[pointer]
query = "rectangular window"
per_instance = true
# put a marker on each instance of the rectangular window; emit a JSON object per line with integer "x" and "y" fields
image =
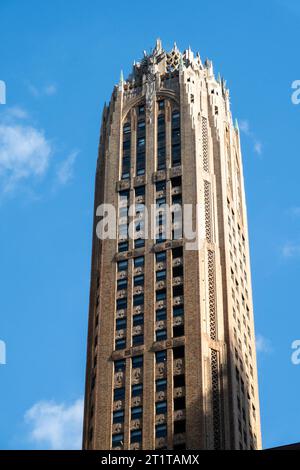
{"x": 161, "y": 335}
{"x": 176, "y": 155}
{"x": 121, "y": 304}
{"x": 141, "y": 127}
{"x": 138, "y": 300}
{"x": 136, "y": 412}
{"x": 139, "y": 261}
{"x": 117, "y": 440}
{"x": 160, "y": 256}
{"x": 120, "y": 365}
{"x": 126, "y": 128}
{"x": 120, "y": 343}
{"x": 136, "y": 436}
{"x": 178, "y": 353}
{"x": 161, "y": 430}
{"x": 124, "y": 194}
{"x": 160, "y": 201}
{"x": 137, "y": 390}
{"x": 140, "y": 191}
{"x": 119, "y": 393}
{"x": 178, "y": 311}
{"x": 122, "y": 246}
{"x": 176, "y": 182}
{"x": 161, "y": 314}
{"x": 118, "y": 416}
{"x": 122, "y": 284}
{"x": 161, "y": 407}
{"x": 160, "y": 186}
{"x": 139, "y": 242}
{"x": 121, "y": 323}
{"x": 179, "y": 380}
{"x": 137, "y": 339}
{"x": 161, "y": 275}
{"x": 177, "y": 199}
{"x": 177, "y": 252}
{"x": 160, "y": 356}
{"x": 179, "y": 427}
{"x": 138, "y": 320}
{"x": 161, "y": 295}
{"x": 177, "y": 291}
{"x": 141, "y": 142}
{"x": 178, "y": 331}
{"x": 137, "y": 362}
{"x": 123, "y": 265}
{"x": 179, "y": 403}
{"x": 177, "y": 271}
{"x": 139, "y": 280}
{"x": 161, "y": 385}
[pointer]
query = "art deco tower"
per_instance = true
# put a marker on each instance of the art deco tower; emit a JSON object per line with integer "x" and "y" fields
{"x": 171, "y": 361}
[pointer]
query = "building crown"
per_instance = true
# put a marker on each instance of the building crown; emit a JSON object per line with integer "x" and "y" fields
{"x": 158, "y": 60}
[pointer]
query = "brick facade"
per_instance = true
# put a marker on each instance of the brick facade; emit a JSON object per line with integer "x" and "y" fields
{"x": 168, "y": 130}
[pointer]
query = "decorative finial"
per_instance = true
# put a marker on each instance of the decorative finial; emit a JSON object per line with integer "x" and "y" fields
{"x": 121, "y": 82}
{"x": 158, "y": 45}
{"x": 181, "y": 63}
{"x": 236, "y": 125}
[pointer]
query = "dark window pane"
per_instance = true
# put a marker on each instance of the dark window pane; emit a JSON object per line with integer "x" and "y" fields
{"x": 179, "y": 380}
{"x": 119, "y": 393}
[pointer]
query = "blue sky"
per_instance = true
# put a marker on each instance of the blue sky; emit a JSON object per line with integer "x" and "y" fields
{"x": 60, "y": 63}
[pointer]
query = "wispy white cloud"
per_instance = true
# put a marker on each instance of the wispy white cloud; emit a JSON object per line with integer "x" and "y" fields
{"x": 55, "y": 426}
{"x": 27, "y": 154}
{"x": 263, "y": 345}
{"x": 258, "y": 147}
{"x": 24, "y": 152}
{"x": 15, "y": 112}
{"x": 65, "y": 170}
{"x": 46, "y": 90}
{"x": 245, "y": 128}
{"x": 291, "y": 250}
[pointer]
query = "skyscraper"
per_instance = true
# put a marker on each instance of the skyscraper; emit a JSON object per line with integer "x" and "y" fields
{"x": 171, "y": 360}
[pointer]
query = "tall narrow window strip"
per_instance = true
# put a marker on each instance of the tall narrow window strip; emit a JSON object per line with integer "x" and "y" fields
{"x": 141, "y": 147}
{"x": 126, "y": 150}
{"x": 161, "y": 142}
{"x": 176, "y": 141}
